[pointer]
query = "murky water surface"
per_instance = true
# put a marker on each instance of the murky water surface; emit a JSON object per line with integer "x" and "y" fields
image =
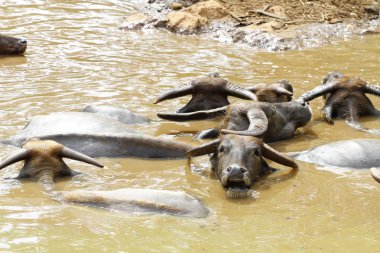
{"x": 76, "y": 55}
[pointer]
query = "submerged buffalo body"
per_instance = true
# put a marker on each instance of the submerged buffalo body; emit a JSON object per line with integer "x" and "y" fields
{"x": 357, "y": 154}
{"x": 138, "y": 201}
{"x": 120, "y": 114}
{"x": 98, "y": 136}
{"x": 10, "y": 45}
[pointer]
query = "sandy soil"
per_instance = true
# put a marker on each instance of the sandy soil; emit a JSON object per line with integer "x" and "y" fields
{"x": 270, "y": 25}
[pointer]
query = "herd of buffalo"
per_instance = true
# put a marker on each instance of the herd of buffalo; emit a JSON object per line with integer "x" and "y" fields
{"x": 237, "y": 152}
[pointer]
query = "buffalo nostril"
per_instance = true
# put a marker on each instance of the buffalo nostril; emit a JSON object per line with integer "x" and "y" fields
{"x": 229, "y": 169}
{"x": 22, "y": 41}
{"x": 243, "y": 170}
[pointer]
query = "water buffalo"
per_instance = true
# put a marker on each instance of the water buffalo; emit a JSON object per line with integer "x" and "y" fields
{"x": 281, "y": 91}
{"x": 138, "y": 201}
{"x": 358, "y": 153}
{"x": 271, "y": 121}
{"x": 345, "y": 98}
{"x": 10, "y": 45}
{"x": 43, "y": 161}
{"x": 120, "y": 114}
{"x": 237, "y": 161}
{"x": 98, "y": 136}
{"x": 207, "y": 93}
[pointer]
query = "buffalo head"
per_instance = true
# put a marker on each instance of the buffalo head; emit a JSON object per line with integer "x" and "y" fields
{"x": 281, "y": 91}
{"x": 10, "y": 45}
{"x": 207, "y": 93}
{"x": 43, "y": 161}
{"x": 237, "y": 161}
{"x": 345, "y": 98}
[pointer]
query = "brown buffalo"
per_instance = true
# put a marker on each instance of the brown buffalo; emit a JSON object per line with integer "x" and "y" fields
{"x": 345, "y": 98}
{"x": 207, "y": 93}
{"x": 43, "y": 161}
{"x": 237, "y": 161}
{"x": 10, "y": 45}
{"x": 281, "y": 91}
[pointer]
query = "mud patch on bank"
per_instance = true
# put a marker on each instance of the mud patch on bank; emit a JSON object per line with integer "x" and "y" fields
{"x": 266, "y": 25}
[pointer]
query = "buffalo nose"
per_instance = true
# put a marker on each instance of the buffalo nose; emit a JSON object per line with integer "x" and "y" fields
{"x": 22, "y": 41}
{"x": 236, "y": 171}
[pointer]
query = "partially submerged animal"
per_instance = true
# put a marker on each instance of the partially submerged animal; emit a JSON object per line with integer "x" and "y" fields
{"x": 98, "y": 136}
{"x": 207, "y": 93}
{"x": 120, "y": 114}
{"x": 357, "y": 154}
{"x": 271, "y": 121}
{"x": 237, "y": 161}
{"x": 43, "y": 161}
{"x": 345, "y": 98}
{"x": 11, "y": 45}
{"x": 138, "y": 201}
{"x": 281, "y": 91}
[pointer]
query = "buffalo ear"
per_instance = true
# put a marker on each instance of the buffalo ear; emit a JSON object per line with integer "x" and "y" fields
{"x": 277, "y": 157}
{"x": 207, "y": 148}
{"x": 18, "y": 156}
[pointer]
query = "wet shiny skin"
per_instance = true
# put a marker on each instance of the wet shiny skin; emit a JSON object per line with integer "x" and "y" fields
{"x": 76, "y": 56}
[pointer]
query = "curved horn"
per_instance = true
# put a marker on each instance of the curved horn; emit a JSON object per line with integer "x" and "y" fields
{"x": 207, "y": 148}
{"x": 278, "y": 157}
{"x": 72, "y": 154}
{"x": 283, "y": 91}
{"x": 183, "y": 90}
{"x": 234, "y": 90}
{"x": 198, "y": 115}
{"x": 18, "y": 156}
{"x": 258, "y": 124}
{"x": 375, "y": 172}
{"x": 318, "y": 91}
{"x": 372, "y": 89}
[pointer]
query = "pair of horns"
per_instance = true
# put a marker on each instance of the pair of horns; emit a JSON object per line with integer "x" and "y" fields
{"x": 24, "y": 154}
{"x": 225, "y": 88}
{"x": 330, "y": 84}
{"x": 278, "y": 90}
{"x": 267, "y": 152}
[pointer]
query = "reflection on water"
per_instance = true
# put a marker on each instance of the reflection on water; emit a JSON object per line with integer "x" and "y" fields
{"x": 76, "y": 55}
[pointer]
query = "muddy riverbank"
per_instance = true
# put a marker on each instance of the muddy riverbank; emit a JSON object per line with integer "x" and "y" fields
{"x": 260, "y": 24}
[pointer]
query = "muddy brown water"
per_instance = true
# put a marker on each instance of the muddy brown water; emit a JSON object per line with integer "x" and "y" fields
{"x": 76, "y": 56}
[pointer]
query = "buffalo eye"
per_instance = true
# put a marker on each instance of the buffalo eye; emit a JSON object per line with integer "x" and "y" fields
{"x": 257, "y": 152}
{"x": 222, "y": 149}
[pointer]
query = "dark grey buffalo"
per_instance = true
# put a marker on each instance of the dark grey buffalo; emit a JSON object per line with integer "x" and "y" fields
{"x": 359, "y": 153}
{"x": 43, "y": 161}
{"x": 345, "y": 98}
{"x": 271, "y": 121}
{"x": 120, "y": 114}
{"x": 98, "y": 136}
{"x": 138, "y": 201}
{"x": 11, "y": 46}
{"x": 237, "y": 161}
{"x": 207, "y": 93}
